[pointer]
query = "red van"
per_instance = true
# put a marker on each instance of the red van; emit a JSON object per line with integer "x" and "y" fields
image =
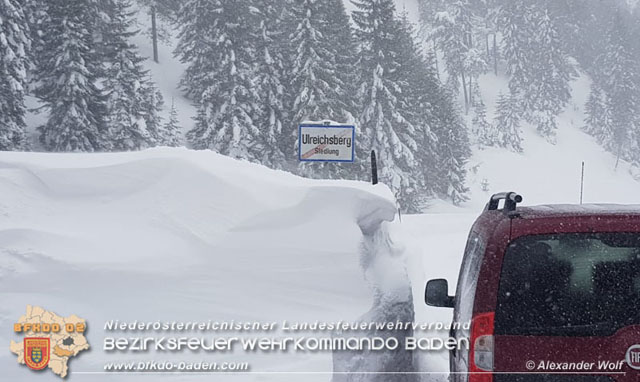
{"x": 552, "y": 293}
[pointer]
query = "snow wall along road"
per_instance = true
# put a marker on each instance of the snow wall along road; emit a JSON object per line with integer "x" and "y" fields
{"x": 179, "y": 235}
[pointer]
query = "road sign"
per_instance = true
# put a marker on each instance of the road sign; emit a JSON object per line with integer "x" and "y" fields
{"x": 326, "y": 143}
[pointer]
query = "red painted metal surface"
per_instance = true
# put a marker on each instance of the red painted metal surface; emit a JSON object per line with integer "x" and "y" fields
{"x": 601, "y": 355}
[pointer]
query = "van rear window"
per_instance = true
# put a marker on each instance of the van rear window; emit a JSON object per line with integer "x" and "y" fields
{"x": 574, "y": 284}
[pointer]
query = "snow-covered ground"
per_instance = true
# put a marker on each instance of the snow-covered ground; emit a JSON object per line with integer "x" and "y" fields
{"x": 173, "y": 234}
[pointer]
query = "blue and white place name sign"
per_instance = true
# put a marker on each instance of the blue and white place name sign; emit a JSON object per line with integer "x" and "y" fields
{"x": 326, "y": 143}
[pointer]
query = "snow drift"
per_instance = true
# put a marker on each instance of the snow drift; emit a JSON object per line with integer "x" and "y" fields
{"x": 174, "y": 234}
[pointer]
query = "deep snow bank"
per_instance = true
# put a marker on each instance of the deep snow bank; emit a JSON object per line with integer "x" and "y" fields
{"x": 174, "y": 234}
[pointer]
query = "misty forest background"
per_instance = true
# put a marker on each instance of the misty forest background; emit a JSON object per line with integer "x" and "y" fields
{"x": 255, "y": 69}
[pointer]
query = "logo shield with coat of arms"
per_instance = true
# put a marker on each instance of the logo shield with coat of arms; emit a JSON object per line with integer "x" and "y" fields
{"x": 36, "y": 352}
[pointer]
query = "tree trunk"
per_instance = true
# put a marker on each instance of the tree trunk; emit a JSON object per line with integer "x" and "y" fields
{"x": 435, "y": 56}
{"x": 470, "y": 92}
{"x": 466, "y": 97}
{"x": 488, "y": 48}
{"x": 154, "y": 34}
{"x": 495, "y": 54}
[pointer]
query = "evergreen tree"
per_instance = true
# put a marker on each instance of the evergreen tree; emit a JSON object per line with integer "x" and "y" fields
{"x": 418, "y": 83}
{"x": 598, "y": 119}
{"x": 340, "y": 40}
{"x": 441, "y": 133}
{"x": 14, "y": 48}
{"x": 453, "y": 148}
{"x": 451, "y": 32}
{"x": 319, "y": 92}
{"x": 166, "y": 10}
{"x": 550, "y": 91}
{"x": 540, "y": 69}
{"x": 321, "y": 72}
{"x": 518, "y": 30}
{"x": 67, "y": 80}
{"x": 132, "y": 99}
{"x": 36, "y": 14}
{"x": 152, "y": 104}
{"x": 270, "y": 71}
{"x": 171, "y": 129}
{"x": 621, "y": 87}
{"x": 229, "y": 100}
{"x": 455, "y": 169}
{"x": 429, "y": 10}
{"x": 545, "y": 122}
{"x": 386, "y": 115}
{"x": 483, "y": 130}
{"x": 454, "y": 34}
{"x": 196, "y": 48}
{"x": 507, "y": 123}
{"x": 475, "y": 65}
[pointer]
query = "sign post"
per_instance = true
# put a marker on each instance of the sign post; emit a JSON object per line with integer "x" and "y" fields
{"x": 326, "y": 143}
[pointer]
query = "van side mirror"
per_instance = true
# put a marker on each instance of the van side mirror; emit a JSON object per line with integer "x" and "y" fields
{"x": 437, "y": 294}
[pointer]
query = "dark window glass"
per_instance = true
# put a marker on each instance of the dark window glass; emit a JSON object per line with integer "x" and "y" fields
{"x": 570, "y": 284}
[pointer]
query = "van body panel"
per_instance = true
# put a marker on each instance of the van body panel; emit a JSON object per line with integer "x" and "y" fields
{"x": 601, "y": 356}
{"x": 568, "y": 355}
{"x": 496, "y": 230}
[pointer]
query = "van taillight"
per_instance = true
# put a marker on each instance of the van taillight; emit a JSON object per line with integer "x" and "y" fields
{"x": 481, "y": 353}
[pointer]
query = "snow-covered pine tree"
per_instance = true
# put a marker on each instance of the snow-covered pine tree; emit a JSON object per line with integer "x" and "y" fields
{"x": 229, "y": 99}
{"x": 418, "y": 83}
{"x": 386, "y": 117}
{"x": 36, "y": 15}
{"x": 15, "y": 45}
{"x": 546, "y": 124}
{"x": 269, "y": 42}
{"x": 165, "y": 10}
{"x": 152, "y": 104}
{"x": 453, "y": 149}
{"x": 171, "y": 129}
{"x": 318, "y": 92}
{"x": 320, "y": 79}
{"x": 539, "y": 67}
{"x": 67, "y": 80}
{"x": 132, "y": 98}
{"x": 507, "y": 123}
{"x": 198, "y": 20}
{"x": 486, "y": 28}
{"x": 440, "y": 133}
{"x": 474, "y": 65}
{"x": 550, "y": 91}
{"x": 339, "y": 34}
{"x": 452, "y": 34}
{"x": 621, "y": 87}
{"x": 340, "y": 40}
{"x": 598, "y": 119}
{"x": 517, "y": 26}
{"x": 482, "y": 129}
{"x": 427, "y": 11}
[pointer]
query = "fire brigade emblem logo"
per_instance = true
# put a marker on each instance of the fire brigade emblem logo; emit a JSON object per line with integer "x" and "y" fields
{"x": 36, "y": 352}
{"x": 633, "y": 357}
